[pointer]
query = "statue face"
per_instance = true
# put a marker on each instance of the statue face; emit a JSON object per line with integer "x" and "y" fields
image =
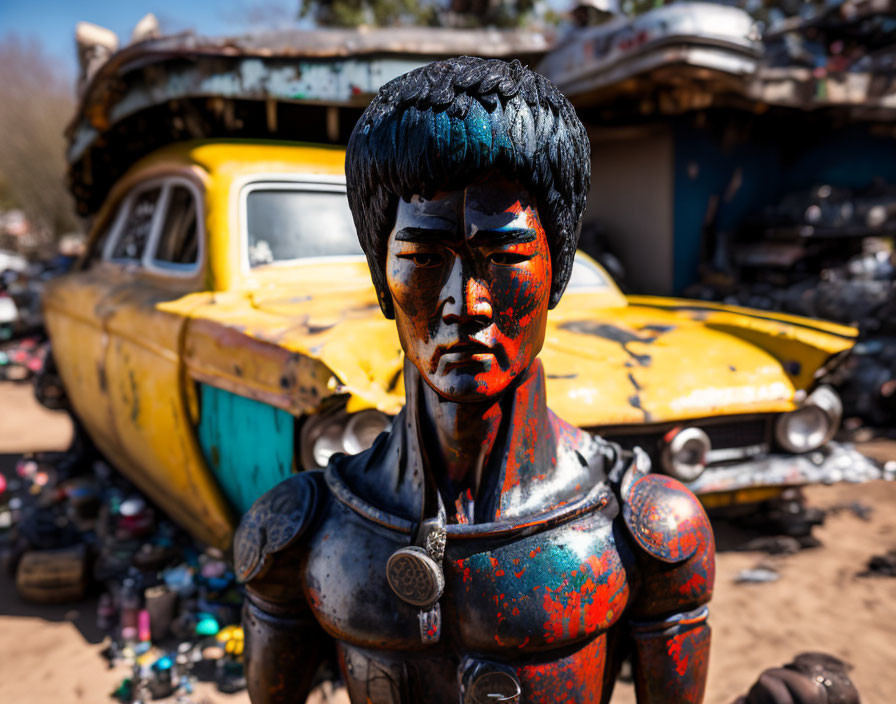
{"x": 470, "y": 276}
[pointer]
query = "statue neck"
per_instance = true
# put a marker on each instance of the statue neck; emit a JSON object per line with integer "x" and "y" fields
{"x": 463, "y": 437}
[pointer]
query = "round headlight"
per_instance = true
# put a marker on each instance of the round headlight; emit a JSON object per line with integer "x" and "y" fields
{"x": 362, "y": 429}
{"x": 825, "y": 398}
{"x": 684, "y": 456}
{"x": 324, "y": 435}
{"x": 803, "y": 430}
{"x": 327, "y": 443}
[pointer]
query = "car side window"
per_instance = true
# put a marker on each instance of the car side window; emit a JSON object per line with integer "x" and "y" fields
{"x": 97, "y": 247}
{"x": 137, "y": 226}
{"x": 178, "y": 245}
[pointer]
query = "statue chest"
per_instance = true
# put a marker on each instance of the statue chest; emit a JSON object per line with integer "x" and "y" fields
{"x": 504, "y": 596}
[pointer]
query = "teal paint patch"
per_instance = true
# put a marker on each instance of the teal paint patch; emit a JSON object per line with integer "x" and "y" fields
{"x": 248, "y": 444}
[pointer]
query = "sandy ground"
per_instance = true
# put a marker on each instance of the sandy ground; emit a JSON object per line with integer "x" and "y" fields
{"x": 51, "y": 655}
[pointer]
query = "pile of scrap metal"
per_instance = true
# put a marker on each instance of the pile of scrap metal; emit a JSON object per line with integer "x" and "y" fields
{"x": 691, "y": 56}
{"x": 669, "y": 60}
{"x": 844, "y": 55}
{"x": 70, "y": 527}
{"x": 826, "y": 253}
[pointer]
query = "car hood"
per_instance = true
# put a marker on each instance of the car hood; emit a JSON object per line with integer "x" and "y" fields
{"x": 657, "y": 360}
{"x": 650, "y": 361}
{"x": 299, "y": 335}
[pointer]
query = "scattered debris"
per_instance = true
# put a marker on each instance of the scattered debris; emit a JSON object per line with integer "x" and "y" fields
{"x": 824, "y": 253}
{"x": 856, "y": 508}
{"x": 170, "y": 609}
{"x": 890, "y": 469}
{"x": 773, "y": 545}
{"x": 881, "y": 565}
{"x": 775, "y": 520}
{"x": 757, "y": 575}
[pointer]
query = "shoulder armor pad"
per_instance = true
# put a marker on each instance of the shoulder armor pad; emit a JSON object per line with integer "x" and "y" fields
{"x": 664, "y": 517}
{"x": 275, "y": 521}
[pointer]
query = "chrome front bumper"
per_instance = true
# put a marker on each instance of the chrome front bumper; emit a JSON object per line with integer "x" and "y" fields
{"x": 835, "y": 462}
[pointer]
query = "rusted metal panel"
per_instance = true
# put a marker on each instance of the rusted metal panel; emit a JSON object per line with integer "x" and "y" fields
{"x": 836, "y": 462}
{"x": 691, "y": 56}
{"x": 186, "y": 86}
{"x": 700, "y": 40}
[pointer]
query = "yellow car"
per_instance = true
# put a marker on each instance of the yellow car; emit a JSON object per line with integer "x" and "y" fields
{"x": 221, "y": 332}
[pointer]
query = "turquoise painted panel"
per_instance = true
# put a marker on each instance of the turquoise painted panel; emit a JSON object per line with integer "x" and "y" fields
{"x": 248, "y": 444}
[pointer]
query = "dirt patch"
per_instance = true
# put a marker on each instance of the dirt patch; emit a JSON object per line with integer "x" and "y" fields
{"x": 26, "y": 426}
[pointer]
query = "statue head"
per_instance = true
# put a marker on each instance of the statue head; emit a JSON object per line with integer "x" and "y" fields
{"x": 467, "y": 181}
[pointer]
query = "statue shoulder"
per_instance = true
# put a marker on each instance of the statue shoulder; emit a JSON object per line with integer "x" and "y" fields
{"x": 275, "y": 521}
{"x": 665, "y": 519}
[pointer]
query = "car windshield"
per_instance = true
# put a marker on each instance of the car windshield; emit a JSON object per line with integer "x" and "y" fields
{"x": 585, "y": 276}
{"x": 284, "y": 224}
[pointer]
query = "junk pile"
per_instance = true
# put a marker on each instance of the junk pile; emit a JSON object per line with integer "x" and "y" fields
{"x": 170, "y": 610}
{"x": 852, "y": 36}
{"x": 824, "y": 253}
{"x": 22, "y": 359}
{"x": 686, "y": 56}
{"x": 23, "y": 341}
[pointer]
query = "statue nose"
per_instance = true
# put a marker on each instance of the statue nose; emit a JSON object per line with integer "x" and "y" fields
{"x": 465, "y": 295}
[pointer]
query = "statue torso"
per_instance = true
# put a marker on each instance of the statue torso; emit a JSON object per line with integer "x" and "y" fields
{"x": 539, "y": 595}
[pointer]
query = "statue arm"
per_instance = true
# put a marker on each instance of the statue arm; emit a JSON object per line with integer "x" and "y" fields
{"x": 284, "y": 643}
{"x": 670, "y": 660}
{"x": 283, "y": 651}
{"x": 668, "y": 618}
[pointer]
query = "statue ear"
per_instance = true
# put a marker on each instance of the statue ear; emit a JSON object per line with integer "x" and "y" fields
{"x": 557, "y": 288}
{"x": 386, "y": 304}
{"x": 384, "y": 296}
{"x": 555, "y": 299}
{"x": 378, "y": 276}
{"x": 561, "y": 265}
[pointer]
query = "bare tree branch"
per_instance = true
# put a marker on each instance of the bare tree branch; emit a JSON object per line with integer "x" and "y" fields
{"x": 36, "y": 104}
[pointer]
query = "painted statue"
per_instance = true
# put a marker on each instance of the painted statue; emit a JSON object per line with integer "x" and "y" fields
{"x": 483, "y": 550}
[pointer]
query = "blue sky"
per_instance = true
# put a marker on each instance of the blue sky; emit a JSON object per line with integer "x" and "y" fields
{"x": 52, "y": 22}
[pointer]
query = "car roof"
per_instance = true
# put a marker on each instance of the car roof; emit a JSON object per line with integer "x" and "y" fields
{"x": 238, "y": 157}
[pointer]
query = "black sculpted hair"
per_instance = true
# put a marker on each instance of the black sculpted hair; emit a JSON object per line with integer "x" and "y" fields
{"x": 443, "y": 125}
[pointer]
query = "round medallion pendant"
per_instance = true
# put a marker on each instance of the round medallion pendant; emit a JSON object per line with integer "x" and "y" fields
{"x": 415, "y": 577}
{"x": 488, "y": 683}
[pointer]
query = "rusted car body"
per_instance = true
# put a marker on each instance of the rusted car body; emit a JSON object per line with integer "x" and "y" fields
{"x": 222, "y": 332}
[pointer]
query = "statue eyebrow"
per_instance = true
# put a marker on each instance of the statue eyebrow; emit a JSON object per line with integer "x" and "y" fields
{"x": 483, "y": 238}
{"x": 502, "y": 236}
{"x": 422, "y": 235}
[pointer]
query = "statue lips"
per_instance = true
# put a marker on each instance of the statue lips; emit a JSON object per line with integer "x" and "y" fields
{"x": 468, "y": 352}
{"x": 464, "y": 353}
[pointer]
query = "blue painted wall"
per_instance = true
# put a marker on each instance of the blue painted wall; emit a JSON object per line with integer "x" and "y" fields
{"x": 248, "y": 444}
{"x": 777, "y": 157}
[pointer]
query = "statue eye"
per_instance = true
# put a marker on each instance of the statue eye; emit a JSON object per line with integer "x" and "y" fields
{"x": 507, "y": 258}
{"x": 424, "y": 260}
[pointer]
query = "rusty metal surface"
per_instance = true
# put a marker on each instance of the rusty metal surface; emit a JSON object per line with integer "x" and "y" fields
{"x": 694, "y": 37}
{"x": 836, "y": 462}
{"x": 185, "y": 86}
{"x": 690, "y": 56}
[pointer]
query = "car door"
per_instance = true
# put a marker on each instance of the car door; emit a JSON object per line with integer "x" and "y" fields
{"x": 145, "y": 321}
{"x": 75, "y": 316}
